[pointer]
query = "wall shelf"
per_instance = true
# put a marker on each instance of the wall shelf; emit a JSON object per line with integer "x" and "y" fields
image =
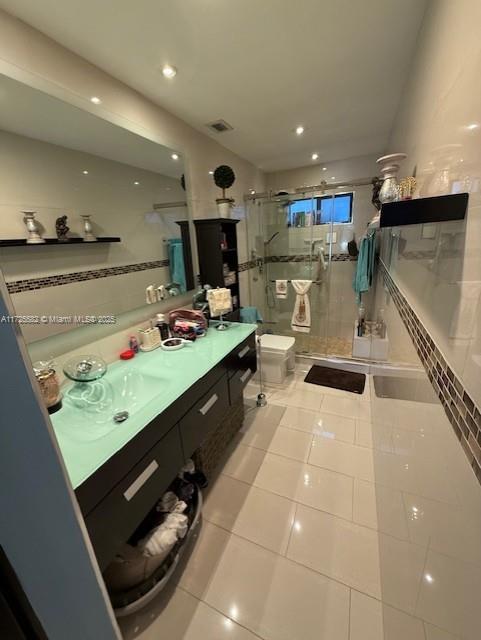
{"x": 424, "y": 210}
{"x": 22, "y": 242}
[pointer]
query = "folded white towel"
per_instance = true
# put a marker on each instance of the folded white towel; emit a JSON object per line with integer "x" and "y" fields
{"x": 158, "y": 541}
{"x": 281, "y": 289}
{"x": 301, "y": 316}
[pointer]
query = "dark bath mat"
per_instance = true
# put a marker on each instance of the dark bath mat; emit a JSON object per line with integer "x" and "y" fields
{"x": 336, "y": 379}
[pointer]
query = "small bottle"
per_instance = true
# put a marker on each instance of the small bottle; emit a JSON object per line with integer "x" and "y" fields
{"x": 381, "y": 324}
{"x": 134, "y": 344}
{"x": 162, "y": 326}
{"x": 361, "y": 312}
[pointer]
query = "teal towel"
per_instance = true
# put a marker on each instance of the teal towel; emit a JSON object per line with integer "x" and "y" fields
{"x": 176, "y": 262}
{"x": 250, "y": 315}
{"x": 365, "y": 266}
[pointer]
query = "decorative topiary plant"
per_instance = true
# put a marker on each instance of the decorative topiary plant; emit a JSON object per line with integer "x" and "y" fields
{"x": 224, "y": 178}
{"x": 182, "y": 181}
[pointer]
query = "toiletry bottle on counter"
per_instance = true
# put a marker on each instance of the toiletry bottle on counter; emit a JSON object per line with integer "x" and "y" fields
{"x": 134, "y": 344}
{"x": 162, "y": 326}
{"x": 361, "y": 313}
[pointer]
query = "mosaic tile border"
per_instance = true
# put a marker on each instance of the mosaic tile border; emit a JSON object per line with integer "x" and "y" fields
{"x": 31, "y": 284}
{"x": 461, "y": 410}
{"x": 301, "y": 257}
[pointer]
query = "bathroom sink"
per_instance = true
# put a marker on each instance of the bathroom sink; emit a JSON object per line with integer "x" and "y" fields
{"x": 92, "y": 410}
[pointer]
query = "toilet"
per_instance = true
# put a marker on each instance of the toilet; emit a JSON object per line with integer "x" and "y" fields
{"x": 278, "y": 356}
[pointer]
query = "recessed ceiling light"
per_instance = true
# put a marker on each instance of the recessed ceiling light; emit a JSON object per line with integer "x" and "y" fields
{"x": 324, "y": 168}
{"x": 315, "y": 156}
{"x": 168, "y": 71}
{"x": 211, "y": 173}
{"x": 333, "y": 177}
{"x": 174, "y": 156}
{"x": 136, "y": 182}
{"x": 85, "y": 172}
{"x": 300, "y": 130}
{"x": 252, "y": 192}
{"x": 472, "y": 126}
{"x": 429, "y": 578}
{"x": 95, "y": 100}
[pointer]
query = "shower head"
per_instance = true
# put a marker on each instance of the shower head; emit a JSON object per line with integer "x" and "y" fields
{"x": 267, "y": 242}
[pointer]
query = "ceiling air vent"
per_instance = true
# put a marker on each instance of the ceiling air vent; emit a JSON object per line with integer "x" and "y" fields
{"x": 219, "y": 126}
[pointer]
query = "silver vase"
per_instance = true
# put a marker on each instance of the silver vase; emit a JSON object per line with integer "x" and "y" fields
{"x": 88, "y": 234}
{"x": 33, "y": 236}
{"x": 389, "y": 167}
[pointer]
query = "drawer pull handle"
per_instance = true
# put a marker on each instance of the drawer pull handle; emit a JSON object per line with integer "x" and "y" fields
{"x": 209, "y": 404}
{"x": 141, "y": 480}
{"x": 244, "y": 351}
{"x": 245, "y": 375}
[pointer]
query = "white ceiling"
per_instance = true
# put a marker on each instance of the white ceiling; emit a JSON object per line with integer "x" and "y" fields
{"x": 264, "y": 66}
{"x": 34, "y": 114}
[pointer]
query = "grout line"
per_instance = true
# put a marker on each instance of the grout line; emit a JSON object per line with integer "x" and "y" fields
{"x": 307, "y": 568}
{"x": 422, "y": 576}
{"x": 292, "y": 528}
{"x": 349, "y": 615}
{"x": 220, "y": 612}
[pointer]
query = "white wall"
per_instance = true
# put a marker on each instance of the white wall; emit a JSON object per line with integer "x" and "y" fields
{"x": 336, "y": 171}
{"x": 440, "y": 102}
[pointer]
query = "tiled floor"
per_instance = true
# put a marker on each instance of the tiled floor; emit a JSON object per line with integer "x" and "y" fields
{"x": 334, "y": 517}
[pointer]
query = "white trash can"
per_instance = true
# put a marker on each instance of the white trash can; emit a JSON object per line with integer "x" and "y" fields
{"x": 278, "y": 357}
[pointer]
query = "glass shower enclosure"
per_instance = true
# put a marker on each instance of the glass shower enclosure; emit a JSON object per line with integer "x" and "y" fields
{"x": 305, "y": 236}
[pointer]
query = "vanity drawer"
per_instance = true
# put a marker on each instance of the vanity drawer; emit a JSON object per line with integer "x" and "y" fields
{"x": 204, "y": 416}
{"x": 243, "y": 357}
{"x": 114, "y": 519}
{"x": 238, "y": 381}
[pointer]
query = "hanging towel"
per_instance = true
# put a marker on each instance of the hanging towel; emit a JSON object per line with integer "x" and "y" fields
{"x": 176, "y": 262}
{"x": 281, "y": 289}
{"x": 250, "y": 315}
{"x": 365, "y": 266}
{"x": 301, "y": 317}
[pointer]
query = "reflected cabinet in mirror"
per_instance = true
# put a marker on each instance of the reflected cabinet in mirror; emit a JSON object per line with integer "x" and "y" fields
{"x": 93, "y": 218}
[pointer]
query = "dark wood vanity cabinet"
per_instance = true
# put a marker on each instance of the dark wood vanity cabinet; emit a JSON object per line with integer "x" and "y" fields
{"x": 118, "y": 496}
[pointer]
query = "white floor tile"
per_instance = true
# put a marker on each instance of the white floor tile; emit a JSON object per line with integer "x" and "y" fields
{"x": 378, "y": 565}
{"x": 259, "y": 434}
{"x": 343, "y": 458}
{"x": 303, "y": 398}
{"x": 260, "y": 516}
{"x": 291, "y": 444}
{"x": 183, "y": 617}
{"x": 328, "y": 425}
{"x": 243, "y": 463}
{"x": 271, "y": 596}
{"x": 271, "y": 413}
{"x": 371, "y": 620}
{"x": 307, "y": 484}
{"x": 449, "y": 529}
{"x": 374, "y": 436}
{"x": 414, "y": 476}
{"x": 379, "y": 508}
{"x": 347, "y": 406}
{"x": 450, "y": 595}
{"x": 434, "y": 633}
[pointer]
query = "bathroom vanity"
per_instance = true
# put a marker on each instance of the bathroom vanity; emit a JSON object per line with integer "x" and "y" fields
{"x": 120, "y": 470}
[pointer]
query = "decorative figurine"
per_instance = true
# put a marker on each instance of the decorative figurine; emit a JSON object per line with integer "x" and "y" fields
{"x": 61, "y": 228}
{"x": 88, "y": 235}
{"x": 34, "y": 236}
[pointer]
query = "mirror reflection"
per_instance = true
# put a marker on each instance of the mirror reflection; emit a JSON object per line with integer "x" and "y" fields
{"x": 94, "y": 219}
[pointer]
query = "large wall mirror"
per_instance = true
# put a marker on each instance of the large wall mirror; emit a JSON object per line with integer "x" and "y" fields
{"x": 57, "y": 160}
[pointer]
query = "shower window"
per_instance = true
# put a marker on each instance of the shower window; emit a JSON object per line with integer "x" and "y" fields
{"x": 328, "y": 209}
